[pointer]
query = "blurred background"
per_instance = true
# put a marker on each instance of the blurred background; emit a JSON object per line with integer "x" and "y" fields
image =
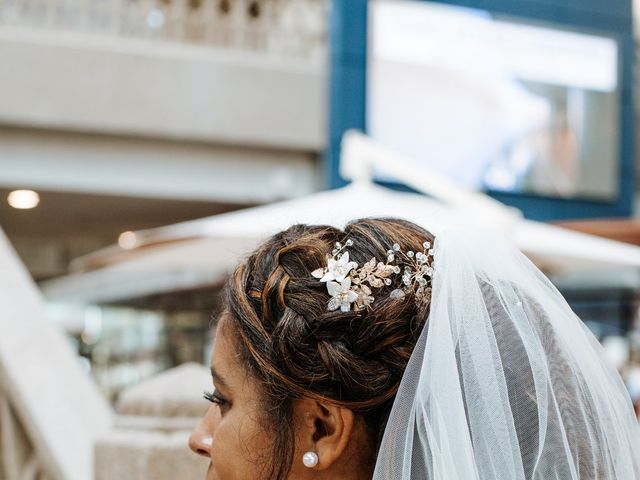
{"x": 121, "y": 116}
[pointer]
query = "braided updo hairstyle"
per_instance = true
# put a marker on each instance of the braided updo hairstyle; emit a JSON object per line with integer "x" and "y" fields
{"x": 294, "y": 347}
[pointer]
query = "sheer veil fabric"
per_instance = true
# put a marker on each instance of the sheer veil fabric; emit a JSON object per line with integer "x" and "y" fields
{"x": 505, "y": 381}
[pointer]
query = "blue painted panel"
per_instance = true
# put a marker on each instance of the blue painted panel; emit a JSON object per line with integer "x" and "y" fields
{"x": 348, "y": 29}
{"x": 466, "y": 3}
{"x": 347, "y": 110}
{"x": 347, "y": 100}
{"x": 628, "y": 155}
{"x": 627, "y": 47}
{"x": 539, "y": 11}
{"x": 543, "y": 209}
{"x": 598, "y": 21}
{"x": 615, "y": 8}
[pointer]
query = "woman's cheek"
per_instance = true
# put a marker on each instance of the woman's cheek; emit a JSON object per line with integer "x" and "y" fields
{"x": 231, "y": 446}
{"x": 243, "y": 448}
{"x": 224, "y": 453}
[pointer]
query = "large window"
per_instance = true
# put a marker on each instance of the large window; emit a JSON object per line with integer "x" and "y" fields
{"x": 493, "y": 103}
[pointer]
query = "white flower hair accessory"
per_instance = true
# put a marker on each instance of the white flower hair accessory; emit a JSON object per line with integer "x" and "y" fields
{"x": 347, "y": 284}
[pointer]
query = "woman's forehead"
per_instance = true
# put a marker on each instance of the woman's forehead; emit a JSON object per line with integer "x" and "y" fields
{"x": 226, "y": 367}
{"x": 220, "y": 357}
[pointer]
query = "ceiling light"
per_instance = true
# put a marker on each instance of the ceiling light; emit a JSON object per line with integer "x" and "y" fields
{"x": 23, "y": 199}
{"x": 127, "y": 240}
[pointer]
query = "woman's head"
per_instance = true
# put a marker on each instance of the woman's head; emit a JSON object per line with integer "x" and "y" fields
{"x": 307, "y": 378}
{"x": 504, "y": 351}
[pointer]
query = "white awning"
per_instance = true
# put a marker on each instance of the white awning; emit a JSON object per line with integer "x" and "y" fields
{"x": 201, "y": 253}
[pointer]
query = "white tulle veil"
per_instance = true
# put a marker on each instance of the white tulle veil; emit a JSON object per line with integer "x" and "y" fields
{"x": 505, "y": 381}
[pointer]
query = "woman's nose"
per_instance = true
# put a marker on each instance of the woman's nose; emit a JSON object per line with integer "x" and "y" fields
{"x": 200, "y": 440}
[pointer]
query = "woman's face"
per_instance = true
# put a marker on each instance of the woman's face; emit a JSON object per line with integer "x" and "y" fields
{"x": 231, "y": 433}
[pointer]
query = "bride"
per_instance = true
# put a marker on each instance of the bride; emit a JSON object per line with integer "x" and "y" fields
{"x": 379, "y": 351}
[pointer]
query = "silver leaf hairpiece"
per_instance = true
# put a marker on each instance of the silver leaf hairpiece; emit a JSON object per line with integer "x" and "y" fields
{"x": 348, "y": 284}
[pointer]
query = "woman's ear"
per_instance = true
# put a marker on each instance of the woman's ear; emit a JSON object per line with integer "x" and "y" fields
{"x": 324, "y": 429}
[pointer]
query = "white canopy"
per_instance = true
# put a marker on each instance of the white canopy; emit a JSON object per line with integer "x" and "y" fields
{"x": 201, "y": 252}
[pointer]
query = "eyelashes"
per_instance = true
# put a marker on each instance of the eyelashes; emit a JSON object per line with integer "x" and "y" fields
{"x": 215, "y": 398}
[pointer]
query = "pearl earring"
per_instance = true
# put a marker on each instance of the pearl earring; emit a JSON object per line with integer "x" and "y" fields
{"x": 310, "y": 459}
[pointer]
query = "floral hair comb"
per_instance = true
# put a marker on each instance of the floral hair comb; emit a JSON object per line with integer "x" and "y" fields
{"x": 348, "y": 284}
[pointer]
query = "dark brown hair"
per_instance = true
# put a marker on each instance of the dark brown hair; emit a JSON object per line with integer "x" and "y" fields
{"x": 294, "y": 347}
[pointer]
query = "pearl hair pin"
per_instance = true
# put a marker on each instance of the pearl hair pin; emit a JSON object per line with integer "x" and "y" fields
{"x": 310, "y": 459}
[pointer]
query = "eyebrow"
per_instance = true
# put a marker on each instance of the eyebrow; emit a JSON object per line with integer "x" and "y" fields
{"x": 218, "y": 379}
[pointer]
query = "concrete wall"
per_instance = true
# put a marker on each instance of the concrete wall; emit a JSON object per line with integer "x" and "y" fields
{"x": 77, "y": 81}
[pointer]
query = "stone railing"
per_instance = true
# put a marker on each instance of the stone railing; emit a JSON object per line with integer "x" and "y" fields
{"x": 18, "y": 459}
{"x": 280, "y": 27}
{"x": 54, "y": 425}
{"x": 50, "y": 413}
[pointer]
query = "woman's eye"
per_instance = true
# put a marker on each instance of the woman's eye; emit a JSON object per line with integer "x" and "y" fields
{"x": 217, "y": 399}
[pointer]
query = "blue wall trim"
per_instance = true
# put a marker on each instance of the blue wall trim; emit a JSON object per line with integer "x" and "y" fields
{"x": 348, "y": 38}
